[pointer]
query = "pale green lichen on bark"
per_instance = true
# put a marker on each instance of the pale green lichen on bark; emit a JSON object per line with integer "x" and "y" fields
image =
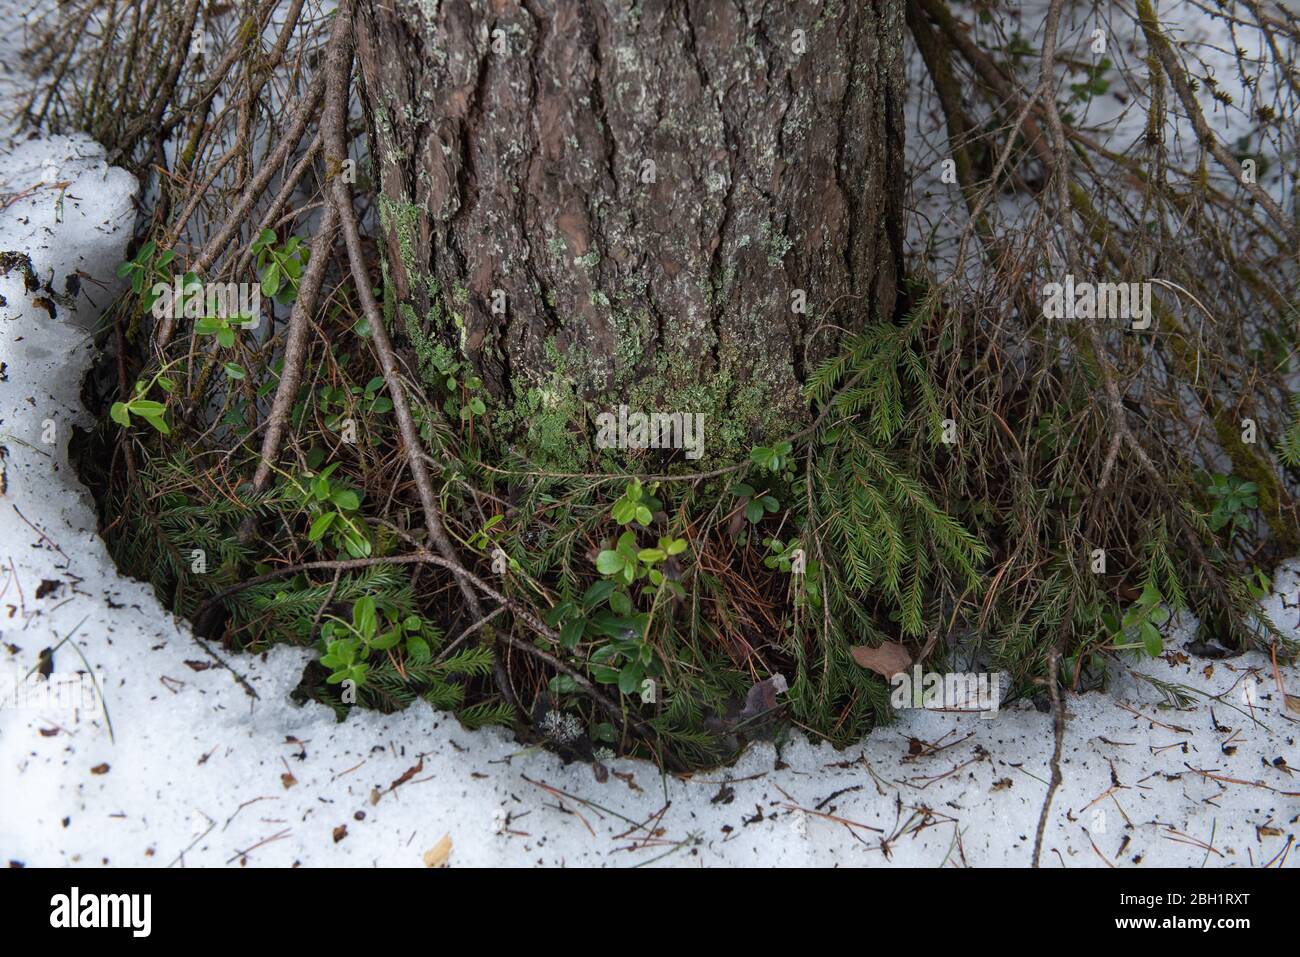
{"x": 552, "y": 421}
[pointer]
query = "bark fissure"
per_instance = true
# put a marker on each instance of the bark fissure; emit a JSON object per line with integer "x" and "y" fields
{"x": 541, "y": 287}
{"x": 649, "y": 184}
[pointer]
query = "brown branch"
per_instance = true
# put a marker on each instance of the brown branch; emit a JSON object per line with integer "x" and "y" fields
{"x": 337, "y": 77}
{"x": 1059, "y": 172}
{"x": 238, "y": 213}
{"x": 1178, "y": 77}
{"x": 1058, "y": 733}
{"x": 304, "y": 304}
{"x": 287, "y": 186}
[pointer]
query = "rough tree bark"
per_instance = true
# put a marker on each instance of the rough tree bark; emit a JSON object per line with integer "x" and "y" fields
{"x": 650, "y": 189}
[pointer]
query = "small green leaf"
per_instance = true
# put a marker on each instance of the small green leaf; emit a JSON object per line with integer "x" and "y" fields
{"x": 558, "y": 613}
{"x": 346, "y": 499}
{"x": 321, "y": 526}
{"x": 571, "y": 633}
{"x": 157, "y": 422}
{"x": 629, "y": 680}
{"x": 604, "y": 674}
{"x": 1151, "y": 639}
{"x": 563, "y": 684}
{"x": 608, "y": 562}
{"x": 364, "y": 615}
{"x": 596, "y": 594}
{"x": 620, "y": 603}
{"x": 271, "y": 280}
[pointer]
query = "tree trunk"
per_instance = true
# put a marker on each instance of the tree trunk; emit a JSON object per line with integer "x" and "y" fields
{"x": 677, "y": 205}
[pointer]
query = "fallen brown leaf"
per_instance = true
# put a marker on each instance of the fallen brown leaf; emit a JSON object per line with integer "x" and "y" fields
{"x": 761, "y": 698}
{"x": 629, "y": 780}
{"x": 886, "y": 660}
{"x": 99, "y": 769}
{"x": 440, "y": 854}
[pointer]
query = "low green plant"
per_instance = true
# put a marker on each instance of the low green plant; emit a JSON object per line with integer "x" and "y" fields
{"x": 773, "y": 458}
{"x": 333, "y": 508}
{"x": 147, "y": 269}
{"x": 142, "y": 407}
{"x": 635, "y": 505}
{"x": 349, "y": 644}
{"x": 758, "y": 505}
{"x": 1139, "y": 627}
{"x": 280, "y": 266}
{"x": 1233, "y": 498}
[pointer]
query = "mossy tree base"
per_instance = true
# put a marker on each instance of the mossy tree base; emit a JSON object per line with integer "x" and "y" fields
{"x": 675, "y": 206}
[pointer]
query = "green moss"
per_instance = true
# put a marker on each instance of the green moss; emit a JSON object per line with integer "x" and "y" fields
{"x": 551, "y": 413}
{"x": 551, "y": 421}
{"x": 424, "y": 333}
{"x": 740, "y": 408}
{"x": 546, "y": 420}
{"x": 401, "y": 220}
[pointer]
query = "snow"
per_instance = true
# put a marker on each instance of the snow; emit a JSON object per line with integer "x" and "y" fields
{"x": 198, "y": 771}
